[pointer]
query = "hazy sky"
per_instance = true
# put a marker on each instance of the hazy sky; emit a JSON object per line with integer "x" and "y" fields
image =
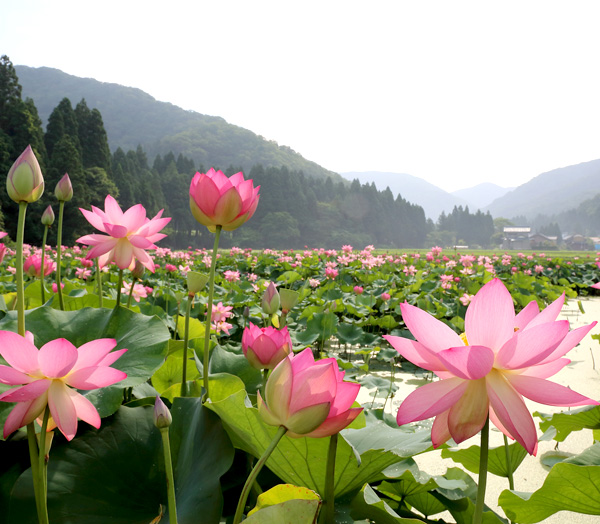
{"x": 455, "y": 92}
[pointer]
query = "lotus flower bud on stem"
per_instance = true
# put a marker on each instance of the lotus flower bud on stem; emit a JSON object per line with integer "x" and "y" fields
{"x": 25, "y": 182}
{"x": 64, "y": 189}
{"x": 162, "y": 415}
{"x": 48, "y": 216}
{"x": 270, "y": 300}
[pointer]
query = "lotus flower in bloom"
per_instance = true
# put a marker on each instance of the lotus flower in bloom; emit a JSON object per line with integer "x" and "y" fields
{"x": 33, "y": 266}
{"x": 216, "y": 200}
{"x": 308, "y": 398}
{"x": 500, "y": 359}
{"x": 265, "y": 347}
{"x": 128, "y": 234}
{"x": 47, "y": 376}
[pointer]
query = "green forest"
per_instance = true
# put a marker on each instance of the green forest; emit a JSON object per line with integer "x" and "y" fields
{"x": 295, "y": 209}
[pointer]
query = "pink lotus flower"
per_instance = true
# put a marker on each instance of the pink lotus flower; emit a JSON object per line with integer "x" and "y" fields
{"x": 232, "y": 276}
{"x": 220, "y": 313}
{"x": 265, "y": 347}
{"x": 139, "y": 291}
{"x": 385, "y": 296}
{"x": 33, "y": 266}
{"x": 55, "y": 287}
{"x": 128, "y": 234}
{"x": 500, "y": 359}
{"x": 82, "y": 273}
{"x": 216, "y": 200}
{"x": 47, "y": 376}
{"x": 358, "y": 290}
{"x": 308, "y": 398}
{"x": 2, "y": 252}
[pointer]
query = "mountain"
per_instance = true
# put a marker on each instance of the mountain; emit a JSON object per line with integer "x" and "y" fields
{"x": 551, "y": 192}
{"x": 416, "y": 190}
{"x": 133, "y": 117}
{"x": 481, "y": 195}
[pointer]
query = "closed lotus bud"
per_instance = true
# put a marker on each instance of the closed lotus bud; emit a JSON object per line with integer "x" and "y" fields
{"x": 64, "y": 189}
{"x": 138, "y": 270}
{"x": 196, "y": 282}
{"x": 162, "y": 415}
{"x": 289, "y": 298}
{"x": 48, "y": 216}
{"x": 25, "y": 182}
{"x": 270, "y": 300}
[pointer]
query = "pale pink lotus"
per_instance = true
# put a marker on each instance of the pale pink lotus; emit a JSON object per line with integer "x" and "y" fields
{"x": 47, "y": 377}
{"x": 265, "y": 347}
{"x": 500, "y": 359}
{"x": 308, "y": 398}
{"x": 216, "y": 200}
{"x": 128, "y": 234}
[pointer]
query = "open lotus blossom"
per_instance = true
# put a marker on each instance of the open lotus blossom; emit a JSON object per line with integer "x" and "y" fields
{"x": 216, "y": 200}
{"x": 501, "y": 358}
{"x": 128, "y": 234}
{"x": 308, "y": 398}
{"x": 265, "y": 347}
{"x": 33, "y": 265}
{"x": 139, "y": 291}
{"x": 47, "y": 377}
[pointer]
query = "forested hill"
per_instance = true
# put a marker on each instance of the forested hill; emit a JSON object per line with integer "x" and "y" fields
{"x": 133, "y": 117}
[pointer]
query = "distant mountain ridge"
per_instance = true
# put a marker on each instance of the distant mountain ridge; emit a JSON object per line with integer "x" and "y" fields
{"x": 481, "y": 195}
{"x": 133, "y": 117}
{"x": 416, "y": 190}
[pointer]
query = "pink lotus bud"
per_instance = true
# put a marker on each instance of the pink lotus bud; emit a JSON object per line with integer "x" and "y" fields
{"x": 385, "y": 296}
{"x": 358, "y": 290}
{"x": 25, "y": 182}
{"x": 64, "y": 189}
{"x": 216, "y": 200}
{"x": 308, "y": 398}
{"x": 265, "y": 347}
{"x": 48, "y": 216}
{"x": 270, "y": 300}
{"x": 162, "y": 415}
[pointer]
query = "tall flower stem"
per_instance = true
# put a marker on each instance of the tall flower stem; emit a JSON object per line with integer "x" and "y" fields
{"x": 130, "y": 293}
{"x": 265, "y": 374}
{"x": 483, "y": 467}
{"x": 99, "y": 281}
{"x": 186, "y": 339}
{"x": 42, "y": 470}
{"x": 211, "y": 291}
{"x": 34, "y": 459}
{"x": 511, "y": 480}
{"x": 281, "y": 431}
{"x": 43, "y": 263}
{"x": 19, "y": 273}
{"x": 328, "y": 513}
{"x": 61, "y": 208}
{"x": 119, "y": 286}
{"x": 164, "y": 432}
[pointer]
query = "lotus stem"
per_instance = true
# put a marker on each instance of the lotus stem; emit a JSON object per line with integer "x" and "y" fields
{"x": 61, "y": 208}
{"x": 483, "y": 467}
{"x": 130, "y": 293}
{"x": 328, "y": 512}
{"x": 42, "y": 470}
{"x": 99, "y": 281}
{"x": 281, "y": 431}
{"x": 164, "y": 432}
{"x": 211, "y": 291}
{"x": 119, "y": 286}
{"x": 42, "y": 278}
{"x": 186, "y": 339}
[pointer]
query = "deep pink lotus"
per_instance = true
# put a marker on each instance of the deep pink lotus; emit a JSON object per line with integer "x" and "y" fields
{"x": 51, "y": 375}
{"x": 265, "y": 347}
{"x": 500, "y": 359}
{"x": 308, "y": 398}
{"x": 33, "y": 266}
{"x": 127, "y": 235}
{"x": 216, "y": 200}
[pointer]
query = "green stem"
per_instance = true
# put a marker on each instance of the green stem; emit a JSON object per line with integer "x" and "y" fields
{"x": 264, "y": 383}
{"x": 130, "y": 293}
{"x": 41, "y": 471}
{"x": 34, "y": 459}
{"x": 511, "y": 480}
{"x": 61, "y": 208}
{"x": 119, "y": 286}
{"x": 19, "y": 263}
{"x": 169, "y": 471}
{"x": 211, "y": 291}
{"x": 99, "y": 281}
{"x": 483, "y": 467}
{"x": 281, "y": 431}
{"x": 186, "y": 339}
{"x": 328, "y": 512}
{"x": 43, "y": 263}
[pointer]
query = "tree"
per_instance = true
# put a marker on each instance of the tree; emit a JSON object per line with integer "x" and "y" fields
{"x": 92, "y": 137}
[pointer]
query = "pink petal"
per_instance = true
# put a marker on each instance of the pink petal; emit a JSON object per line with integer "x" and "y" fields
{"x": 57, "y": 357}
{"x": 468, "y": 362}
{"x": 13, "y": 377}
{"x": 111, "y": 357}
{"x": 279, "y": 389}
{"x": 95, "y": 377}
{"x": 27, "y": 392}
{"x": 316, "y": 385}
{"x": 429, "y": 331}
{"x": 546, "y": 392}
{"x": 84, "y": 408}
{"x": 238, "y": 179}
{"x": 91, "y": 353}
{"x": 490, "y": 318}
{"x": 546, "y": 370}
{"x": 93, "y": 218}
{"x": 532, "y": 345}
{"x": 144, "y": 259}
{"x": 431, "y": 400}
{"x": 62, "y": 409}
{"x": 199, "y": 215}
{"x": 24, "y": 413}
{"x": 123, "y": 254}
{"x": 228, "y": 207}
{"x": 526, "y": 315}
{"x": 141, "y": 242}
{"x": 549, "y": 313}
{"x": 440, "y": 432}
{"x": 335, "y": 424}
{"x": 569, "y": 342}
{"x": 205, "y": 194}
{"x": 134, "y": 217}
{"x": 116, "y": 230}
{"x": 416, "y": 353}
{"x": 106, "y": 246}
{"x": 19, "y": 352}
{"x": 468, "y": 415}
{"x": 511, "y": 411}
{"x": 112, "y": 210}
{"x": 344, "y": 398}
{"x": 303, "y": 360}
{"x": 152, "y": 227}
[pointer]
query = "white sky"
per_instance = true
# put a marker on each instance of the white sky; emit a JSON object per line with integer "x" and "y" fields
{"x": 455, "y": 92}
